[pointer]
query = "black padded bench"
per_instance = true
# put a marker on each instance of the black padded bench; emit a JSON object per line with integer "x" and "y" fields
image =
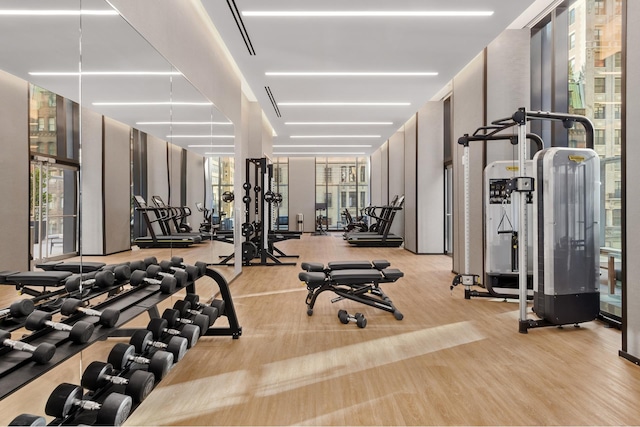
{"x": 355, "y": 280}
{"x": 72, "y": 267}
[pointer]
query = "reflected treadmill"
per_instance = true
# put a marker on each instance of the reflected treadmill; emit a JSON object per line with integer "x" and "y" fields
{"x": 383, "y": 238}
{"x": 154, "y": 240}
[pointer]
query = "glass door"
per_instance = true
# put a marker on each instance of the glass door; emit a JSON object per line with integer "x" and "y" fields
{"x": 53, "y": 210}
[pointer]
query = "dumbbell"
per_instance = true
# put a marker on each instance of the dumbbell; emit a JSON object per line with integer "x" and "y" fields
{"x": 191, "y": 271}
{"x": 108, "y": 317}
{"x": 28, "y": 420}
{"x": 184, "y": 307}
{"x": 194, "y": 300}
{"x": 41, "y": 353}
{"x": 67, "y": 398}
{"x": 172, "y": 316}
{"x": 123, "y": 355}
{"x": 122, "y": 272}
{"x": 142, "y": 340}
{"x": 142, "y": 264}
{"x": 99, "y": 374}
{"x": 181, "y": 276}
{"x": 358, "y": 318}
{"x": 177, "y": 261}
{"x": 102, "y": 279}
{"x": 20, "y": 308}
{"x": 80, "y": 332}
{"x": 160, "y": 327}
{"x": 167, "y": 284}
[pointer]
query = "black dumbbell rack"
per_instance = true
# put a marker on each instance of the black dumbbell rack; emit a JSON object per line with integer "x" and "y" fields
{"x": 17, "y": 370}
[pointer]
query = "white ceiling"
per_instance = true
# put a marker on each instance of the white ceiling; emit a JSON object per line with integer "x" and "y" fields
{"x": 354, "y": 44}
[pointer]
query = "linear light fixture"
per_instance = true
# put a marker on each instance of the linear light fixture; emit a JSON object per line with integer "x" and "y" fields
{"x": 219, "y": 154}
{"x": 318, "y": 153}
{"x": 332, "y": 136}
{"x": 210, "y": 146}
{"x": 338, "y": 123}
{"x": 321, "y": 146}
{"x": 348, "y": 74}
{"x": 344, "y": 104}
{"x": 366, "y": 13}
{"x": 200, "y": 136}
{"x": 58, "y": 12}
{"x": 136, "y": 104}
{"x": 104, "y": 73}
{"x": 184, "y": 123}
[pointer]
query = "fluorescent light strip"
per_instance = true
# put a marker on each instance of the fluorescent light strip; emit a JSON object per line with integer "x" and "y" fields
{"x": 184, "y": 123}
{"x": 135, "y": 104}
{"x": 367, "y": 13}
{"x": 333, "y": 136}
{"x": 338, "y": 123}
{"x": 349, "y": 74}
{"x": 343, "y": 104}
{"x": 200, "y": 136}
{"x": 27, "y": 12}
{"x": 210, "y": 146}
{"x": 105, "y": 73}
{"x": 321, "y": 146}
{"x": 318, "y": 154}
{"x": 219, "y": 154}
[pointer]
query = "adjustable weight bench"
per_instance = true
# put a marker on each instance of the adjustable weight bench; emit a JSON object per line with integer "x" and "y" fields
{"x": 355, "y": 280}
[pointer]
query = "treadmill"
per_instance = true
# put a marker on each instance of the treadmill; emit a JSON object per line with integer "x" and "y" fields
{"x": 169, "y": 214}
{"x": 154, "y": 240}
{"x": 383, "y": 237}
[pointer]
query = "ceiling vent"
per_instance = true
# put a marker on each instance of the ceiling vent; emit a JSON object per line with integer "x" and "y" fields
{"x": 273, "y": 100}
{"x": 243, "y": 31}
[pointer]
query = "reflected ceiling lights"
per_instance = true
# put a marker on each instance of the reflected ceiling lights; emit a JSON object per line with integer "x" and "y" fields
{"x": 210, "y": 146}
{"x": 338, "y": 123}
{"x": 343, "y": 104}
{"x": 27, "y": 12}
{"x": 184, "y": 123}
{"x": 135, "y": 104}
{"x": 318, "y": 154}
{"x": 348, "y": 74}
{"x": 105, "y": 73}
{"x": 367, "y": 13}
{"x": 200, "y": 136}
{"x": 321, "y": 146}
{"x": 333, "y": 136}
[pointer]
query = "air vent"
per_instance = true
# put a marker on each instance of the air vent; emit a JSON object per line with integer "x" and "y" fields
{"x": 243, "y": 31}
{"x": 273, "y": 100}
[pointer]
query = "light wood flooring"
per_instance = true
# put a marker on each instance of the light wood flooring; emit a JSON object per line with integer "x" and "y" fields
{"x": 450, "y": 361}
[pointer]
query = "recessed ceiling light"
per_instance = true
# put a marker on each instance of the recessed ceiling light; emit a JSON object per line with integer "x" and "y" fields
{"x": 343, "y": 104}
{"x": 321, "y": 146}
{"x": 317, "y": 154}
{"x": 338, "y": 123}
{"x": 135, "y": 104}
{"x": 184, "y": 123}
{"x": 210, "y": 146}
{"x": 27, "y": 12}
{"x": 349, "y": 74}
{"x": 200, "y": 136}
{"x": 333, "y": 136}
{"x": 105, "y": 73}
{"x": 367, "y": 13}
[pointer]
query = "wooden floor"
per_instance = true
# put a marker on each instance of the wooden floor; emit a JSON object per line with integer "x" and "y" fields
{"x": 448, "y": 362}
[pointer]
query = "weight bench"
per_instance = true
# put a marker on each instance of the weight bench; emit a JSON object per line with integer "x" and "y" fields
{"x": 72, "y": 266}
{"x": 25, "y": 281}
{"x": 355, "y": 280}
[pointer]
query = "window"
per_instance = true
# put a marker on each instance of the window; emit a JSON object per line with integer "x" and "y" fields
{"x": 363, "y": 174}
{"x": 352, "y": 198}
{"x": 599, "y": 85}
{"x": 617, "y": 111}
{"x": 572, "y": 41}
{"x": 327, "y": 175}
{"x": 600, "y": 7}
{"x": 343, "y": 198}
{"x": 598, "y": 137}
{"x": 617, "y": 85}
{"x": 40, "y": 124}
{"x": 343, "y": 174}
{"x": 598, "y": 111}
{"x": 617, "y": 136}
{"x": 329, "y": 200}
{"x": 363, "y": 199}
{"x": 597, "y": 36}
{"x": 617, "y": 218}
{"x": 572, "y": 16}
{"x": 598, "y": 60}
{"x": 617, "y": 58}
{"x": 52, "y": 124}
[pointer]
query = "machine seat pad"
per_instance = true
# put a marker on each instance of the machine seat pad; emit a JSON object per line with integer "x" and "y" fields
{"x": 381, "y": 264}
{"x": 313, "y": 279}
{"x": 72, "y": 267}
{"x": 39, "y": 278}
{"x": 355, "y": 277}
{"x": 349, "y": 265}
{"x": 312, "y": 266}
{"x": 5, "y": 274}
{"x": 392, "y": 274}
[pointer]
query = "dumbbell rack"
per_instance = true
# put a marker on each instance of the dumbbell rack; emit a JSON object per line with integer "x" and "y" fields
{"x": 17, "y": 370}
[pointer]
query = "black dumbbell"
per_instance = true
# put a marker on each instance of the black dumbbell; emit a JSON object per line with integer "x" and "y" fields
{"x": 160, "y": 327}
{"x": 99, "y": 374}
{"x": 177, "y": 261}
{"x": 20, "y": 308}
{"x": 155, "y": 271}
{"x": 194, "y": 300}
{"x": 359, "y": 318}
{"x": 102, "y": 279}
{"x": 67, "y": 398}
{"x": 41, "y": 353}
{"x": 28, "y": 420}
{"x": 167, "y": 284}
{"x": 122, "y": 272}
{"x": 142, "y": 264}
{"x": 124, "y": 355}
{"x": 191, "y": 271}
{"x": 80, "y": 332}
{"x": 108, "y": 317}
{"x": 173, "y": 317}
{"x": 184, "y": 307}
{"x": 143, "y": 341}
